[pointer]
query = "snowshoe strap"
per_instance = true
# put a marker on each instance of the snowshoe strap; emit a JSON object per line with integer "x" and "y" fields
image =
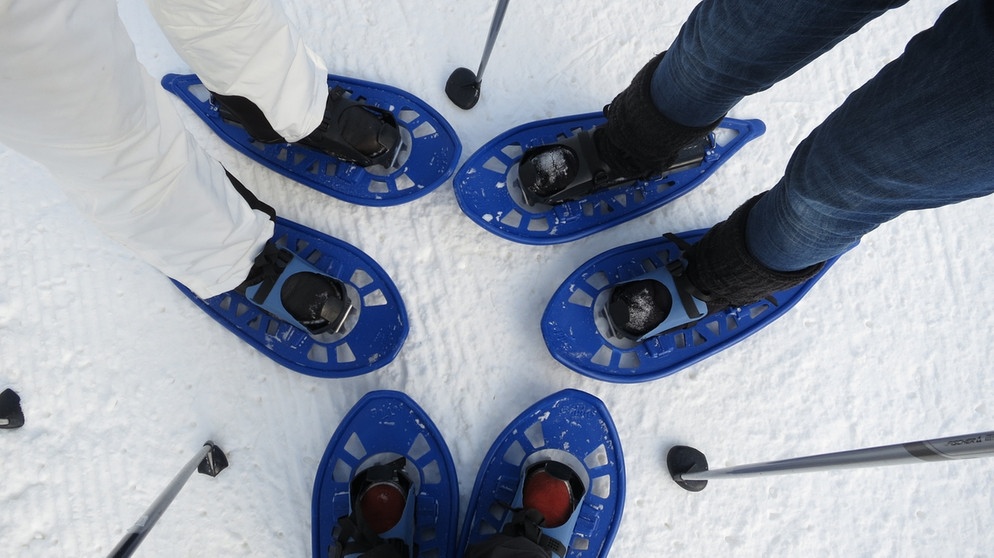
{"x": 528, "y": 523}
{"x": 591, "y": 173}
{"x": 354, "y": 536}
{"x": 269, "y": 265}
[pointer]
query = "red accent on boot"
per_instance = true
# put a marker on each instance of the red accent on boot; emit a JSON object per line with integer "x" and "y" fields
{"x": 550, "y": 496}
{"x": 382, "y": 506}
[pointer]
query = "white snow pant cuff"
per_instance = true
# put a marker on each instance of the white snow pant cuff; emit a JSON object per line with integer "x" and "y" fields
{"x": 249, "y": 48}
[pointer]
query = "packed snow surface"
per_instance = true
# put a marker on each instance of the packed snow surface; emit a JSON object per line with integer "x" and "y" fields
{"x": 122, "y": 379}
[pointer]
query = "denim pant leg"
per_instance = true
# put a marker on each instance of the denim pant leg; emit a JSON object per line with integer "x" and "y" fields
{"x": 916, "y": 136}
{"x": 729, "y": 49}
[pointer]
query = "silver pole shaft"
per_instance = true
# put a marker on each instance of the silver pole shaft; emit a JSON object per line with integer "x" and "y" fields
{"x": 967, "y": 446}
{"x": 141, "y": 527}
{"x": 492, "y": 37}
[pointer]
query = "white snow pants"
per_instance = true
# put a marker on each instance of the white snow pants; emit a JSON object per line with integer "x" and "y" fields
{"x": 74, "y": 98}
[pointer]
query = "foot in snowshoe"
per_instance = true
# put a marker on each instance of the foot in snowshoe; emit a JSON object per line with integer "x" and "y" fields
{"x": 381, "y": 517}
{"x": 351, "y": 131}
{"x": 356, "y": 132}
{"x": 546, "y": 506}
{"x": 655, "y": 303}
{"x": 567, "y": 170}
{"x": 285, "y": 285}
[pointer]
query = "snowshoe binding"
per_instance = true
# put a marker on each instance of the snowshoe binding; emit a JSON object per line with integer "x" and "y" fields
{"x": 631, "y": 315}
{"x": 314, "y": 304}
{"x": 572, "y": 168}
{"x": 352, "y": 131}
{"x": 571, "y": 194}
{"x": 386, "y": 486}
{"x": 553, "y": 482}
{"x": 378, "y": 145}
{"x": 288, "y": 287}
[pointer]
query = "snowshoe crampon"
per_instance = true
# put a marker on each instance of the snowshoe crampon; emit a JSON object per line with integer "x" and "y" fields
{"x": 370, "y": 337}
{"x": 580, "y": 335}
{"x": 385, "y": 440}
{"x": 488, "y": 189}
{"x": 574, "y": 430}
{"x": 427, "y": 158}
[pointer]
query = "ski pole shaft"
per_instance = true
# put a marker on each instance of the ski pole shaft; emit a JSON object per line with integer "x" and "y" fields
{"x": 966, "y": 446}
{"x": 209, "y": 460}
{"x": 492, "y": 36}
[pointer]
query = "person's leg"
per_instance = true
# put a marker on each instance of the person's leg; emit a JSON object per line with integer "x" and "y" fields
{"x": 725, "y": 51}
{"x": 915, "y": 136}
{"x": 74, "y": 98}
{"x": 728, "y": 50}
{"x": 249, "y": 49}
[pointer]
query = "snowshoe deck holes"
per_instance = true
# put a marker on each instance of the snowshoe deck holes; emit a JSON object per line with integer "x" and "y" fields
{"x": 724, "y": 136}
{"x": 431, "y": 473}
{"x": 199, "y": 91}
{"x": 512, "y": 219}
{"x": 513, "y": 150}
{"x": 374, "y": 298}
{"x": 603, "y": 356}
{"x": 360, "y": 278}
{"x": 581, "y": 298}
{"x": 629, "y": 360}
{"x": 514, "y": 454}
{"x": 596, "y": 458}
{"x": 354, "y": 446}
{"x": 598, "y": 280}
{"x": 758, "y": 309}
{"x": 538, "y": 224}
{"x": 424, "y": 129}
{"x": 698, "y": 338}
{"x": 407, "y": 115}
{"x": 378, "y": 187}
{"x": 418, "y": 448}
{"x": 535, "y": 436}
{"x": 344, "y": 353}
{"x": 404, "y": 182}
{"x": 342, "y": 471}
{"x": 318, "y": 353}
{"x": 601, "y": 487}
{"x": 494, "y": 164}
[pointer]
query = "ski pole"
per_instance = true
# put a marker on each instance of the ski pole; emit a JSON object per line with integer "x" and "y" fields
{"x": 463, "y": 86}
{"x": 11, "y": 415}
{"x": 210, "y": 460}
{"x": 689, "y": 467}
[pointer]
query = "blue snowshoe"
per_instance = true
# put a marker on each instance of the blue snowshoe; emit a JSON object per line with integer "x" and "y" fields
{"x": 359, "y": 328}
{"x": 415, "y": 162}
{"x": 582, "y": 330}
{"x": 554, "y": 479}
{"x": 386, "y": 485}
{"x": 488, "y": 186}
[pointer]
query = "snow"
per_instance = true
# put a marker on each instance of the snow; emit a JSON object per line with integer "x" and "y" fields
{"x": 122, "y": 379}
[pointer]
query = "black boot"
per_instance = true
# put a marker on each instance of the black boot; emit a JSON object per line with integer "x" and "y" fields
{"x": 351, "y": 131}
{"x": 719, "y": 271}
{"x": 636, "y": 142}
{"x": 720, "y": 266}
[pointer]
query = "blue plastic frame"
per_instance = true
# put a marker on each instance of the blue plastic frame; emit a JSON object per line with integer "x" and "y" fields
{"x": 483, "y": 184}
{"x": 373, "y": 342}
{"x": 434, "y": 151}
{"x": 572, "y": 336}
{"x": 388, "y": 422}
{"x": 570, "y": 421}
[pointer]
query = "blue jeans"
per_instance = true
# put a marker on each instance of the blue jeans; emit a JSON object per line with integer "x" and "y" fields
{"x": 917, "y": 135}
